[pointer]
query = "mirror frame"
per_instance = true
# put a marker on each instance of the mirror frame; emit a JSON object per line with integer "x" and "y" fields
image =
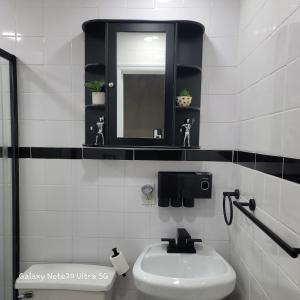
{"x": 13, "y": 153}
{"x": 169, "y": 29}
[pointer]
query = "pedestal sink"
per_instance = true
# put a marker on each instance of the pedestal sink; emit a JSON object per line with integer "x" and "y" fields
{"x": 205, "y": 275}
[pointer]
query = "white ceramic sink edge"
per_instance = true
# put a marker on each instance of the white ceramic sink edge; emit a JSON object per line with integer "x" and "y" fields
{"x": 205, "y": 275}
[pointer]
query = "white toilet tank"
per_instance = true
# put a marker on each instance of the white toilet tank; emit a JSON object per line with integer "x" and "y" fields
{"x": 67, "y": 282}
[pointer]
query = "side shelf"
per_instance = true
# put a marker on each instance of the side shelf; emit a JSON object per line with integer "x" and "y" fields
{"x": 95, "y": 69}
{"x": 189, "y": 44}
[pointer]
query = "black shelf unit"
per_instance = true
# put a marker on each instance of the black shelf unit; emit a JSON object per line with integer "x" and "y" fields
{"x": 187, "y": 108}
{"x": 190, "y": 68}
{"x": 95, "y": 106}
{"x": 95, "y": 69}
{"x": 189, "y": 45}
{"x": 187, "y": 64}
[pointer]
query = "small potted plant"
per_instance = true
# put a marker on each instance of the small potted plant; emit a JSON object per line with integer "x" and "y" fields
{"x": 97, "y": 87}
{"x": 184, "y": 99}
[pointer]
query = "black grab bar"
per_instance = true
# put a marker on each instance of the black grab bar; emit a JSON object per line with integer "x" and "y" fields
{"x": 293, "y": 252}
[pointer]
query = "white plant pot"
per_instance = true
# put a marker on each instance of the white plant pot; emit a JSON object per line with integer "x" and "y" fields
{"x": 98, "y": 98}
{"x": 184, "y": 101}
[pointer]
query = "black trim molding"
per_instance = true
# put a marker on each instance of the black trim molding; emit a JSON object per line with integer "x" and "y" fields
{"x": 281, "y": 167}
{"x": 62, "y": 153}
{"x": 291, "y": 169}
{"x": 118, "y": 153}
{"x": 106, "y": 153}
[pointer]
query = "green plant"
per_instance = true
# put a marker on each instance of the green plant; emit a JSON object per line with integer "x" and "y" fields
{"x": 95, "y": 86}
{"x": 184, "y": 93}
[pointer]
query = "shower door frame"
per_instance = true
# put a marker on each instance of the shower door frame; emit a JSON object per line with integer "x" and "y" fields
{"x": 13, "y": 153}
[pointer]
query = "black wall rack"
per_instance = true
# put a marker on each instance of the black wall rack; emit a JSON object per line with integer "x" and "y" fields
{"x": 293, "y": 252}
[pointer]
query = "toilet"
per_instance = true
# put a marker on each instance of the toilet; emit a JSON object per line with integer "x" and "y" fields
{"x": 66, "y": 282}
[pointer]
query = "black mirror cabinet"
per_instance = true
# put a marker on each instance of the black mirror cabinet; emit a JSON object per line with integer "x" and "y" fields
{"x": 143, "y": 83}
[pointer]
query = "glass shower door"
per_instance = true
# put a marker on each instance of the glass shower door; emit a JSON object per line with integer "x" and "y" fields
{"x": 8, "y": 178}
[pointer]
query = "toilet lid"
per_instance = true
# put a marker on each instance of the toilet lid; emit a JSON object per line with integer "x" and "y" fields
{"x": 78, "y": 277}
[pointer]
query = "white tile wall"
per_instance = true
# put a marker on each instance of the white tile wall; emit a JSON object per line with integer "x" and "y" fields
{"x": 48, "y": 40}
{"x": 268, "y": 123}
{"x": 250, "y": 101}
{"x": 77, "y": 210}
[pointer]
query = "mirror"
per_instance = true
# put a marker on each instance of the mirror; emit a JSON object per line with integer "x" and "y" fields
{"x": 141, "y": 70}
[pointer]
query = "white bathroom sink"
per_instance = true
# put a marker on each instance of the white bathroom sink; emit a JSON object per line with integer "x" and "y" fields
{"x": 205, "y": 275}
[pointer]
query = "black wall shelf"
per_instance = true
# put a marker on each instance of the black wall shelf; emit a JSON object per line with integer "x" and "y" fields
{"x": 189, "y": 67}
{"x": 188, "y": 108}
{"x": 187, "y": 47}
{"x": 95, "y": 106}
{"x": 96, "y": 67}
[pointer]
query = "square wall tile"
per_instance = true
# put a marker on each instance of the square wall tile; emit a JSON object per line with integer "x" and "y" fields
{"x": 77, "y": 53}
{"x": 84, "y": 172}
{"x": 218, "y": 136}
{"x": 111, "y": 173}
{"x": 85, "y": 250}
{"x": 86, "y": 224}
{"x": 169, "y": 3}
{"x": 111, "y": 224}
{"x": 32, "y": 197}
{"x": 58, "y": 224}
{"x": 218, "y": 108}
{"x": 30, "y": 21}
{"x": 111, "y": 198}
{"x": 58, "y": 250}
{"x": 294, "y": 31}
{"x": 31, "y": 79}
{"x": 58, "y": 172}
{"x": 7, "y": 18}
{"x": 58, "y": 51}
{"x": 30, "y": 50}
{"x": 291, "y": 142}
{"x": 140, "y": 4}
{"x": 32, "y": 248}
{"x": 136, "y": 225}
{"x": 112, "y": 3}
{"x": 223, "y": 80}
{"x": 272, "y": 195}
{"x": 58, "y": 198}
{"x": 224, "y": 19}
{"x": 133, "y": 200}
{"x": 269, "y": 134}
{"x": 292, "y": 85}
{"x": 33, "y": 223}
{"x": 220, "y": 51}
{"x": 85, "y": 198}
{"x": 57, "y": 78}
{"x": 141, "y": 172}
{"x": 289, "y": 205}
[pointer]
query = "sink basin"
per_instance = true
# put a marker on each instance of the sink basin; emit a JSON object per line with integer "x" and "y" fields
{"x": 205, "y": 275}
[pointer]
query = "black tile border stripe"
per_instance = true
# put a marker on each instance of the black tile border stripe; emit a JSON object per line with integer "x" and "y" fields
{"x": 272, "y": 165}
{"x": 245, "y": 159}
{"x": 161, "y": 155}
{"x": 278, "y": 166}
{"x": 56, "y": 153}
{"x": 209, "y": 155}
{"x": 107, "y": 153}
{"x": 126, "y": 154}
{"x": 281, "y": 167}
{"x": 291, "y": 169}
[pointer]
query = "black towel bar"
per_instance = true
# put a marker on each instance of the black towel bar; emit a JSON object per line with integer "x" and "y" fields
{"x": 293, "y": 252}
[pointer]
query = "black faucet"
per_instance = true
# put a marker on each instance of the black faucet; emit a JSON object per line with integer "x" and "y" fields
{"x": 185, "y": 244}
